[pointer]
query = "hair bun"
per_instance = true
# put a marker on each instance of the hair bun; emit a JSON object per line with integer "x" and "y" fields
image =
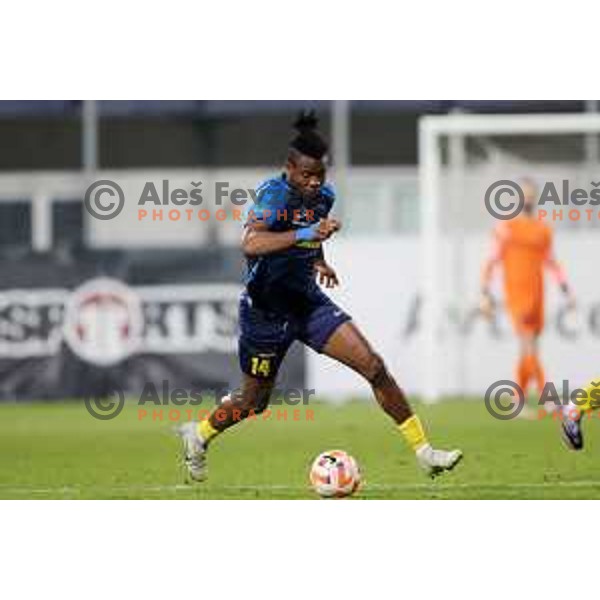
{"x": 306, "y": 121}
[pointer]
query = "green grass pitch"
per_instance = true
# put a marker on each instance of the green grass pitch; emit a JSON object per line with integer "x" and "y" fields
{"x": 60, "y": 451}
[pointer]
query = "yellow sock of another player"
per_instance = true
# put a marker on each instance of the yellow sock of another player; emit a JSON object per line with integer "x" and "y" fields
{"x": 413, "y": 432}
{"x": 206, "y": 431}
{"x": 592, "y": 397}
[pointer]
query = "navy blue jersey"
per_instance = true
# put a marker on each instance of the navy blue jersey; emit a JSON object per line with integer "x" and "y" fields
{"x": 284, "y": 282}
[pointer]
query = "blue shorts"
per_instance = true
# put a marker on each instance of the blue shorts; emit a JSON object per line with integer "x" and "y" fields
{"x": 265, "y": 337}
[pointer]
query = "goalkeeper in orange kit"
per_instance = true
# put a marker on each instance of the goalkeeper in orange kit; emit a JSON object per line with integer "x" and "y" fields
{"x": 523, "y": 248}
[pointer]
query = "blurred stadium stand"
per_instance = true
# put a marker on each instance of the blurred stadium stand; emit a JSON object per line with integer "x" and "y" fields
{"x": 238, "y": 141}
{"x": 135, "y": 134}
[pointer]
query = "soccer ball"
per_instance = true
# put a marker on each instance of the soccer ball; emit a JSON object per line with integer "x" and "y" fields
{"x": 334, "y": 474}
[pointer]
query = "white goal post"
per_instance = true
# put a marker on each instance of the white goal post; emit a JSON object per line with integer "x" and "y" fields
{"x": 437, "y": 133}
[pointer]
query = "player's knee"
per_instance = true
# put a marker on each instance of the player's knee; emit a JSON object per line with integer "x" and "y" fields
{"x": 375, "y": 370}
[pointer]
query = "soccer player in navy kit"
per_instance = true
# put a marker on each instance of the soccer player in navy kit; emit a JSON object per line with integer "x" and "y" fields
{"x": 283, "y": 242}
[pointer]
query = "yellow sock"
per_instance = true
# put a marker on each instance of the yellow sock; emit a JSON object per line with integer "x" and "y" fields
{"x": 592, "y": 396}
{"x": 413, "y": 433}
{"x": 206, "y": 431}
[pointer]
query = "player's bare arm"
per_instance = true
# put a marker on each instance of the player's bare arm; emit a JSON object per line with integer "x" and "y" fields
{"x": 325, "y": 273}
{"x": 560, "y": 277}
{"x": 487, "y": 302}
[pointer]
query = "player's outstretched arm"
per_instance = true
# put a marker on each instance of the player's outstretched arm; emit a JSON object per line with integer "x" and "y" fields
{"x": 258, "y": 240}
{"x": 560, "y": 277}
{"x": 487, "y": 304}
{"x": 557, "y": 272}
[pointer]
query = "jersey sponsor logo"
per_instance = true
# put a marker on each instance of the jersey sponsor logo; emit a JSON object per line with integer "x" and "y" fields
{"x": 307, "y": 244}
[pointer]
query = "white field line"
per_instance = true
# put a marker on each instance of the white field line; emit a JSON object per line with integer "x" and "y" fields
{"x": 427, "y": 487}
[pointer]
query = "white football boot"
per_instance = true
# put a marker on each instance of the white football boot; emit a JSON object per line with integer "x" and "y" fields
{"x": 194, "y": 450}
{"x": 434, "y": 462}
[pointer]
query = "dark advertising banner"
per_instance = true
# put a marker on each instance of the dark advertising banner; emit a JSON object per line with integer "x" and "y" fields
{"x": 89, "y": 322}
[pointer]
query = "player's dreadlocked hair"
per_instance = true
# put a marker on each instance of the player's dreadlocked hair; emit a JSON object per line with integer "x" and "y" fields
{"x": 308, "y": 141}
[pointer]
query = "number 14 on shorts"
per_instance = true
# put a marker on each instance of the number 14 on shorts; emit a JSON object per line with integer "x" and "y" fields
{"x": 260, "y": 366}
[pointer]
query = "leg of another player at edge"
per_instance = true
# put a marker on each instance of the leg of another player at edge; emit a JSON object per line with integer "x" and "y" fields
{"x": 252, "y": 398}
{"x": 586, "y": 404}
{"x": 348, "y": 346}
{"x": 572, "y": 414}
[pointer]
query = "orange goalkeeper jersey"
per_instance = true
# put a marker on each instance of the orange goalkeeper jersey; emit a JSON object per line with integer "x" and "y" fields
{"x": 523, "y": 247}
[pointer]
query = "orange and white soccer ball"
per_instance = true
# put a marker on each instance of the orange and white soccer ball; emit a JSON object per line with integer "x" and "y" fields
{"x": 334, "y": 474}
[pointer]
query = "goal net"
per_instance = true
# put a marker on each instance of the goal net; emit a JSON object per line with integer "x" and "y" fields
{"x": 463, "y": 158}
